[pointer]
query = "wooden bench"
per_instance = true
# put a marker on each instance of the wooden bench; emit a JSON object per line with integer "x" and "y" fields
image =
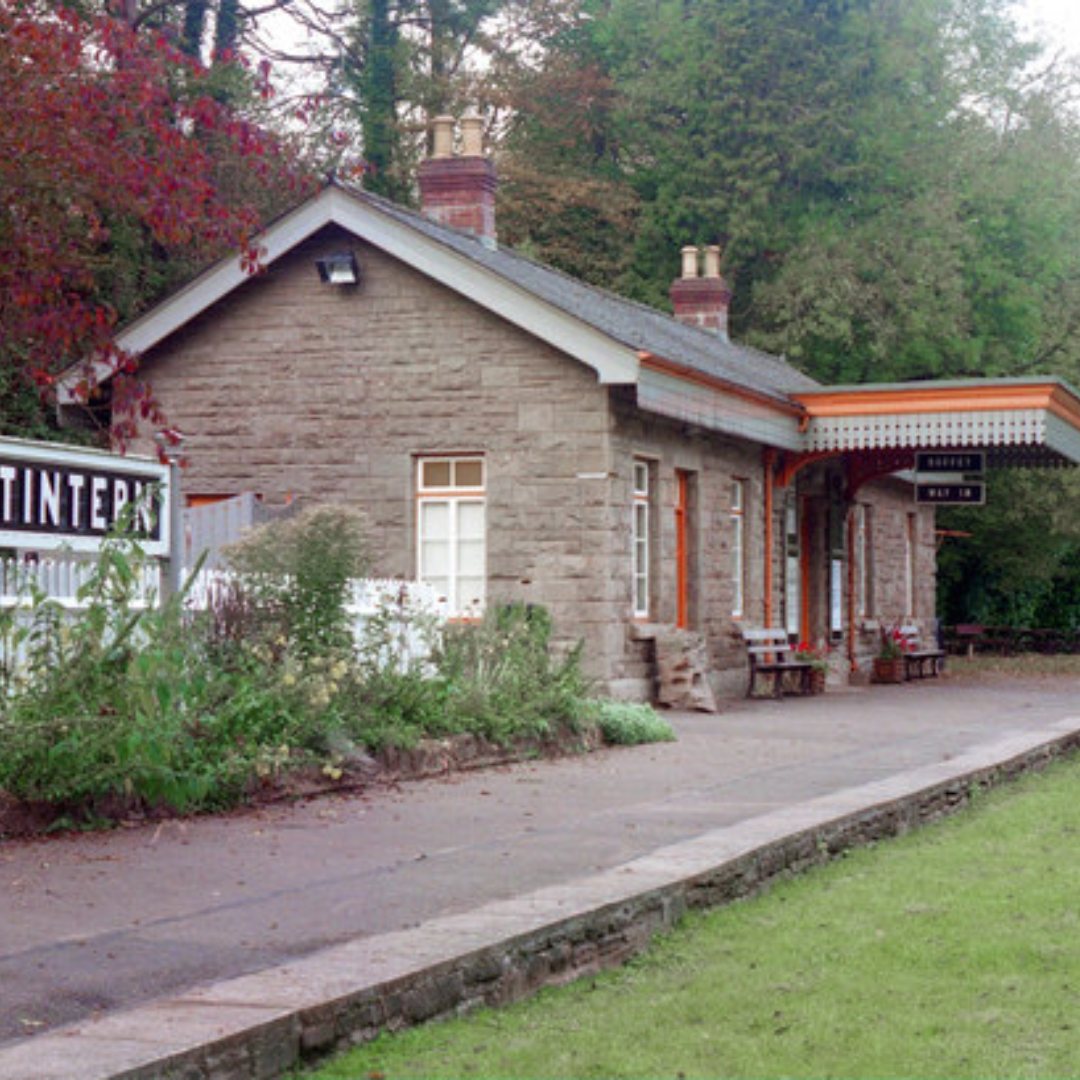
{"x": 966, "y": 635}
{"x": 769, "y": 652}
{"x": 920, "y": 661}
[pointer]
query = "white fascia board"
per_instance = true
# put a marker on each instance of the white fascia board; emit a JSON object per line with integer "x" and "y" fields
{"x": 891, "y": 431}
{"x": 613, "y": 362}
{"x": 88, "y": 457}
{"x": 1063, "y": 437}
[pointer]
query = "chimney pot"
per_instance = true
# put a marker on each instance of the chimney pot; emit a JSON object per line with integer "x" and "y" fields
{"x": 472, "y": 135}
{"x": 443, "y": 141}
{"x": 701, "y": 301}
{"x": 459, "y": 191}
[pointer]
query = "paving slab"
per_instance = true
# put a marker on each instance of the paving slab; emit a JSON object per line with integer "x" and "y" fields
{"x": 98, "y": 924}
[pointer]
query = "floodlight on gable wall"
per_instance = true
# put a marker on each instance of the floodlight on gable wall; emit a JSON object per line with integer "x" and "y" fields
{"x": 341, "y": 268}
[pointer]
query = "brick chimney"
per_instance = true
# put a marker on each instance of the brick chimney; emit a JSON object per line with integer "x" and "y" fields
{"x": 459, "y": 191}
{"x": 702, "y": 301}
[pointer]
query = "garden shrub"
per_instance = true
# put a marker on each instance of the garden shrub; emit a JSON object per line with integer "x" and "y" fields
{"x": 299, "y": 571}
{"x": 121, "y": 702}
{"x": 625, "y": 723}
{"x": 156, "y": 706}
{"x": 502, "y": 678}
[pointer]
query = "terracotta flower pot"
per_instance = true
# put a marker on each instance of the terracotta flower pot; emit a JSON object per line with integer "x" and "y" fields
{"x": 889, "y": 670}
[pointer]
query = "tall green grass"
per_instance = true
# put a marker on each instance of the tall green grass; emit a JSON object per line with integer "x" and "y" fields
{"x": 952, "y": 952}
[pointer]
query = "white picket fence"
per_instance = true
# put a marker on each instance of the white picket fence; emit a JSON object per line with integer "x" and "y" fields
{"x": 406, "y": 609}
{"x": 208, "y": 529}
{"x": 62, "y": 581}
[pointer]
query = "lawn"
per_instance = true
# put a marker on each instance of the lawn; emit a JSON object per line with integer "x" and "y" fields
{"x": 1024, "y": 665}
{"x": 952, "y": 952}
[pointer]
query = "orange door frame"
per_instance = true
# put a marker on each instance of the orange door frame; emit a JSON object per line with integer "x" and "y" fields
{"x": 804, "y": 569}
{"x": 852, "y": 612}
{"x": 682, "y": 590}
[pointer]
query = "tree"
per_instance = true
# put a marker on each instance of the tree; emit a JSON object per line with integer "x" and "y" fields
{"x": 956, "y": 251}
{"x": 1017, "y": 565}
{"x": 563, "y": 194}
{"x": 895, "y": 186}
{"x": 122, "y": 177}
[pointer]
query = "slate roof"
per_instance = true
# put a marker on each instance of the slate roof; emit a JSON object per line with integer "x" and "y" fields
{"x": 630, "y": 323}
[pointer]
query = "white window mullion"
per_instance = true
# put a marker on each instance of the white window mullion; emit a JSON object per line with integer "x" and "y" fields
{"x": 792, "y": 567}
{"x": 641, "y": 553}
{"x": 910, "y": 532}
{"x": 451, "y": 531}
{"x": 738, "y": 546}
{"x": 862, "y": 562}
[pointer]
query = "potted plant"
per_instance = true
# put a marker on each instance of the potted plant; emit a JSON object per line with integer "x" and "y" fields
{"x": 817, "y": 656}
{"x": 889, "y": 666}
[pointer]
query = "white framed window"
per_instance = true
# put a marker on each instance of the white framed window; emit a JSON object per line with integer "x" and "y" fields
{"x": 737, "y": 514}
{"x": 642, "y": 552}
{"x": 792, "y": 567}
{"x": 451, "y": 549}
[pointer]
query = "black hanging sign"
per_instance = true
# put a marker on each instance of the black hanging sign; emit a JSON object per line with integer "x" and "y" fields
{"x": 963, "y": 494}
{"x": 57, "y": 496}
{"x": 950, "y": 461}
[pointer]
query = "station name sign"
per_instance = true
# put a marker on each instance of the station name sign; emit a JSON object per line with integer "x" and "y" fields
{"x": 53, "y": 496}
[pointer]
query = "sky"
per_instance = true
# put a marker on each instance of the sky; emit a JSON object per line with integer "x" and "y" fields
{"x": 1055, "y": 21}
{"x": 1058, "y": 20}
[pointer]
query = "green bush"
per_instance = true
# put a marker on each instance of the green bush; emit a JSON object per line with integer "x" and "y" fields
{"x": 148, "y": 707}
{"x": 298, "y": 572}
{"x": 502, "y": 680}
{"x": 625, "y": 723}
{"x": 122, "y": 702}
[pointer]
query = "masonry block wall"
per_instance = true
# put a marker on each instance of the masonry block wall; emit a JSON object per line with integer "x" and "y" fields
{"x": 290, "y": 387}
{"x": 894, "y": 514}
{"x": 712, "y": 464}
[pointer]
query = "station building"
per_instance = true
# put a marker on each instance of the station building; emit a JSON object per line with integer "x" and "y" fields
{"x": 515, "y": 434}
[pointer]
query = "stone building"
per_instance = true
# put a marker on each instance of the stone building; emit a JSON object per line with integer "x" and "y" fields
{"x": 513, "y": 434}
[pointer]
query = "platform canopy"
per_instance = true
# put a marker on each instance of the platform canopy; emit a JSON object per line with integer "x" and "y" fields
{"x": 1018, "y": 422}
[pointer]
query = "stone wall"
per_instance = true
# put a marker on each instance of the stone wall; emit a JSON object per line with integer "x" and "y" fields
{"x": 892, "y": 505}
{"x": 289, "y": 387}
{"x": 713, "y": 464}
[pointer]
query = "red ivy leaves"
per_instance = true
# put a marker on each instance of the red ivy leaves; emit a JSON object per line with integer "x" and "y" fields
{"x": 101, "y": 125}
